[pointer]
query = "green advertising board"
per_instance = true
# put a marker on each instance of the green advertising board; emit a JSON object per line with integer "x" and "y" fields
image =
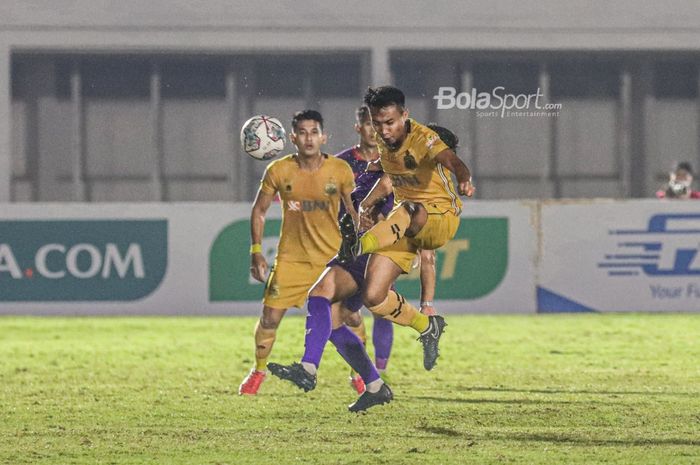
{"x": 229, "y": 261}
{"x": 81, "y": 260}
{"x": 470, "y": 266}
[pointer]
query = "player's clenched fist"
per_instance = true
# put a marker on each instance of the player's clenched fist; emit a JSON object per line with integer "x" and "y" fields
{"x": 367, "y": 219}
{"x": 466, "y": 188}
{"x": 258, "y": 267}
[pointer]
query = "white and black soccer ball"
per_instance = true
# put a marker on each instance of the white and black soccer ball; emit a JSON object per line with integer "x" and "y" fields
{"x": 262, "y": 137}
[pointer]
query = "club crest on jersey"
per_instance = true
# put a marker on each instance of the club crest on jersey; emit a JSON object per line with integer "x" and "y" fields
{"x": 409, "y": 161}
{"x": 287, "y": 185}
{"x": 331, "y": 188}
{"x": 431, "y": 140}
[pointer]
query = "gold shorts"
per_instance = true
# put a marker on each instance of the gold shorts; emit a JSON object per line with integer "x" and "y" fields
{"x": 289, "y": 282}
{"x": 440, "y": 228}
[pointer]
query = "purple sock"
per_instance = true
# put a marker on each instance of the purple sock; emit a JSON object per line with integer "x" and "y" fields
{"x": 352, "y": 350}
{"x": 382, "y": 338}
{"x": 318, "y": 329}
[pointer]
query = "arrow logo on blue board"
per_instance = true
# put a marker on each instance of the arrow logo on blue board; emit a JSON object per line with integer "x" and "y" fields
{"x": 668, "y": 247}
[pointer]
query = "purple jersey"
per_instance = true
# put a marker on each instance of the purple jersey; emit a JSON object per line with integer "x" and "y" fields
{"x": 364, "y": 181}
{"x": 363, "y": 184}
{"x": 354, "y": 158}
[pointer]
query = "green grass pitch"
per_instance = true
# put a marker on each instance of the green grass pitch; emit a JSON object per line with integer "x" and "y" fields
{"x": 554, "y": 389}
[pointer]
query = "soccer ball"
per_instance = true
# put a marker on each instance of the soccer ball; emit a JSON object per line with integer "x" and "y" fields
{"x": 262, "y": 137}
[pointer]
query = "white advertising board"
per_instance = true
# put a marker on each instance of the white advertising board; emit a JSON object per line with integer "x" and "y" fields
{"x": 192, "y": 259}
{"x": 622, "y": 256}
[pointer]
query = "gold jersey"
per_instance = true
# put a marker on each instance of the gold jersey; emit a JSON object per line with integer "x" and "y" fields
{"x": 414, "y": 172}
{"x": 310, "y": 202}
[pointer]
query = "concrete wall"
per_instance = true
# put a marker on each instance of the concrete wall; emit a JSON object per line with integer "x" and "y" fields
{"x": 329, "y": 24}
{"x": 593, "y": 148}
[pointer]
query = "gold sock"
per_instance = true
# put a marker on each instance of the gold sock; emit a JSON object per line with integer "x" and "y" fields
{"x": 396, "y": 309}
{"x": 386, "y": 232}
{"x": 264, "y": 339}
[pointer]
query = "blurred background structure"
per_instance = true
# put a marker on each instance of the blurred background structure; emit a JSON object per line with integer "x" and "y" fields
{"x": 143, "y": 101}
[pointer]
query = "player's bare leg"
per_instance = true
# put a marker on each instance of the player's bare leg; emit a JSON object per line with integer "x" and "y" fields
{"x": 405, "y": 220}
{"x": 265, "y": 334}
{"x": 384, "y": 232}
{"x": 427, "y": 281}
{"x": 334, "y": 285}
{"x": 355, "y": 322}
{"x": 381, "y": 300}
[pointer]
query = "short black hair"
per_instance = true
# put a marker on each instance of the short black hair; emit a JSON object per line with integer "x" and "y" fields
{"x": 304, "y": 115}
{"x": 384, "y": 96}
{"x": 685, "y": 166}
{"x": 448, "y": 137}
{"x": 362, "y": 113}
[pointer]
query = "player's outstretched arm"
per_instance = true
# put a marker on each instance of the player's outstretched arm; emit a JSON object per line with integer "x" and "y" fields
{"x": 382, "y": 188}
{"x": 452, "y": 162}
{"x": 258, "y": 264}
{"x": 346, "y": 197}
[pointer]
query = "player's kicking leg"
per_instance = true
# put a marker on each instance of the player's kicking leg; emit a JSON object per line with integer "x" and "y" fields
{"x": 325, "y": 323}
{"x": 265, "y": 334}
{"x": 334, "y": 285}
{"x": 382, "y": 301}
{"x": 353, "y": 352}
{"x": 383, "y": 329}
{"x": 350, "y": 347}
{"x": 407, "y": 219}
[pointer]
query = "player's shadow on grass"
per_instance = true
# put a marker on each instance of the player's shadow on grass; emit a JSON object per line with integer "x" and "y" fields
{"x": 500, "y": 401}
{"x": 559, "y": 439}
{"x": 440, "y": 430}
{"x": 562, "y": 439}
{"x": 573, "y": 391}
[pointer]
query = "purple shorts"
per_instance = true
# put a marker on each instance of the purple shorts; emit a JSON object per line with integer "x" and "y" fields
{"x": 356, "y": 268}
{"x": 354, "y": 302}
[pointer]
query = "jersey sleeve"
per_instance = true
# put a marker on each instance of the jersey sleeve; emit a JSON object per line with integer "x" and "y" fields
{"x": 344, "y": 155}
{"x": 348, "y": 179}
{"x": 432, "y": 142}
{"x": 269, "y": 183}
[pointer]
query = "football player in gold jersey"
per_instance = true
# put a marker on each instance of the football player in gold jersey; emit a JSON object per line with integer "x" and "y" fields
{"x": 360, "y": 158}
{"x": 343, "y": 279}
{"x": 415, "y": 160}
{"x": 310, "y": 185}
